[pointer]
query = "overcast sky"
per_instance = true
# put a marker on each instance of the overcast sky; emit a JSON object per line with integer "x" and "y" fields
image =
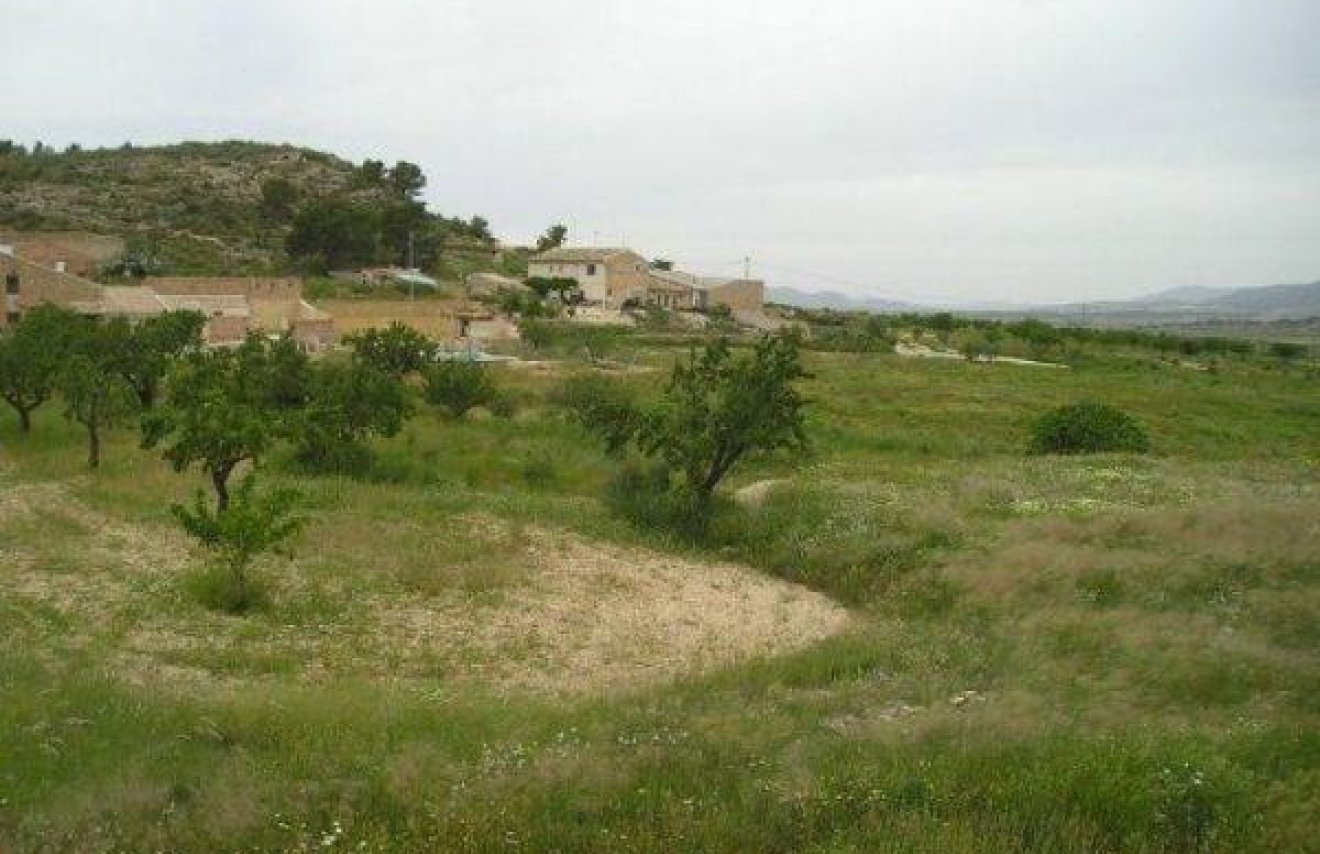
{"x": 922, "y": 149}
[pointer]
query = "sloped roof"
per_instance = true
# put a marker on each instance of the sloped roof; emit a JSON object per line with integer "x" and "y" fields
{"x": 708, "y": 282}
{"x": 89, "y": 290}
{"x": 678, "y": 277}
{"x": 130, "y": 301}
{"x": 671, "y": 280}
{"x": 675, "y": 277}
{"x": 581, "y": 254}
{"x": 229, "y": 305}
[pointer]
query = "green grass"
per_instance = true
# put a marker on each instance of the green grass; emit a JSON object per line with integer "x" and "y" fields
{"x": 1139, "y": 633}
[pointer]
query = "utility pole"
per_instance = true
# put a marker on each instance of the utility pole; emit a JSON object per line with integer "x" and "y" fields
{"x": 412, "y": 286}
{"x": 747, "y": 267}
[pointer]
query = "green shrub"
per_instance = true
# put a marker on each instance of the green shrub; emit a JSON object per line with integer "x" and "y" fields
{"x": 503, "y": 405}
{"x": 1088, "y": 428}
{"x": 348, "y": 404}
{"x": 567, "y": 339}
{"x": 397, "y": 350}
{"x": 215, "y": 587}
{"x": 459, "y": 385}
{"x": 1287, "y": 351}
{"x": 252, "y": 525}
{"x": 606, "y": 408}
{"x": 540, "y": 471}
{"x": 643, "y": 494}
{"x": 347, "y": 458}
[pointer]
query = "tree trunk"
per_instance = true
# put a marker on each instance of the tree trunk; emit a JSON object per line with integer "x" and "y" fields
{"x": 25, "y": 420}
{"x": 220, "y": 480}
{"x": 93, "y": 445}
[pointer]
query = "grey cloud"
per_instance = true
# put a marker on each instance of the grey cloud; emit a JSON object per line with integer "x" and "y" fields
{"x": 961, "y": 148}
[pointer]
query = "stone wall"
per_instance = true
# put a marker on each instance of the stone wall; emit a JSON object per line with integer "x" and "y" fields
{"x": 254, "y": 287}
{"x": 430, "y": 317}
{"x": 738, "y": 295}
{"x": 627, "y": 277}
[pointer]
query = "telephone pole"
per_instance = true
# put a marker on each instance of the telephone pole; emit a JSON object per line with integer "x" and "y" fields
{"x": 412, "y": 265}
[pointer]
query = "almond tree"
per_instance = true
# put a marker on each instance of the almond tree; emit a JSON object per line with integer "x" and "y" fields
{"x": 721, "y": 407}
{"x": 255, "y": 523}
{"x": 223, "y": 407}
{"x": 94, "y": 395}
{"x": 31, "y": 358}
{"x": 143, "y": 352}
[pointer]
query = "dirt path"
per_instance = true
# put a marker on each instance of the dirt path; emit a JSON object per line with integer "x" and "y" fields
{"x": 911, "y": 349}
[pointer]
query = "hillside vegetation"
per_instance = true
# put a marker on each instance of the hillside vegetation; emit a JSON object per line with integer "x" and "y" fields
{"x": 230, "y": 207}
{"x": 978, "y": 648}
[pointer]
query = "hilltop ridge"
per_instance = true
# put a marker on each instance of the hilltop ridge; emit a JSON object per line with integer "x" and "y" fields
{"x": 220, "y": 207}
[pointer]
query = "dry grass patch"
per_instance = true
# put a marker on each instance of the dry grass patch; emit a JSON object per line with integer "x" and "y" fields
{"x": 1203, "y": 553}
{"x": 603, "y": 618}
{"x": 62, "y": 553}
{"x": 584, "y": 619}
{"x": 477, "y": 601}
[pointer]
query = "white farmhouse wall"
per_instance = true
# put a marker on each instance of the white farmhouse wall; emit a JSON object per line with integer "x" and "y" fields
{"x": 592, "y": 278}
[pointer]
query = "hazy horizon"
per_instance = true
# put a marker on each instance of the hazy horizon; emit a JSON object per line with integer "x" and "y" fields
{"x": 999, "y": 151}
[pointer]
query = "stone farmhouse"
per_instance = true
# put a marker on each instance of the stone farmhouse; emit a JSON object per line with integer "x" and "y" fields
{"x": 232, "y": 306}
{"x": 705, "y": 292}
{"x": 607, "y": 275}
{"x": 610, "y": 276}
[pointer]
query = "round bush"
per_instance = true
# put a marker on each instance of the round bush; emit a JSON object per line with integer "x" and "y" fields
{"x": 1088, "y": 428}
{"x": 459, "y": 385}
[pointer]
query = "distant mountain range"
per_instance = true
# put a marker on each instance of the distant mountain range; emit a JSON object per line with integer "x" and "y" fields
{"x": 1277, "y": 301}
{"x": 1180, "y": 304}
{"x": 836, "y": 300}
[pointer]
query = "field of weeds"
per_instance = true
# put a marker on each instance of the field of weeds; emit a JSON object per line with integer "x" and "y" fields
{"x": 918, "y": 638}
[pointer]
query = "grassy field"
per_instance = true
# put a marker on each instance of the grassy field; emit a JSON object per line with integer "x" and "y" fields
{"x": 995, "y": 652}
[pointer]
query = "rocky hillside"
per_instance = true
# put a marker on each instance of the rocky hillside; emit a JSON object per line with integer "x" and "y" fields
{"x": 219, "y": 207}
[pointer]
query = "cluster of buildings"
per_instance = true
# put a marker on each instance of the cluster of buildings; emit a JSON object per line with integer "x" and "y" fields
{"x": 55, "y": 270}
{"x": 57, "y": 267}
{"x": 612, "y": 276}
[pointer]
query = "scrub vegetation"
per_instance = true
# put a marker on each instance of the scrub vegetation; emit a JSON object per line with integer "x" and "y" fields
{"x": 908, "y": 634}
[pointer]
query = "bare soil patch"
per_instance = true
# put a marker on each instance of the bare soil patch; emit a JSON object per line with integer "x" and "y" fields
{"x": 603, "y": 618}
{"x": 911, "y": 349}
{"x": 583, "y": 618}
{"x": 754, "y": 494}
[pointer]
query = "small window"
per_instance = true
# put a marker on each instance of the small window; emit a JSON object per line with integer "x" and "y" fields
{"x": 12, "y": 317}
{"x": 11, "y": 283}
{"x": 591, "y": 269}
